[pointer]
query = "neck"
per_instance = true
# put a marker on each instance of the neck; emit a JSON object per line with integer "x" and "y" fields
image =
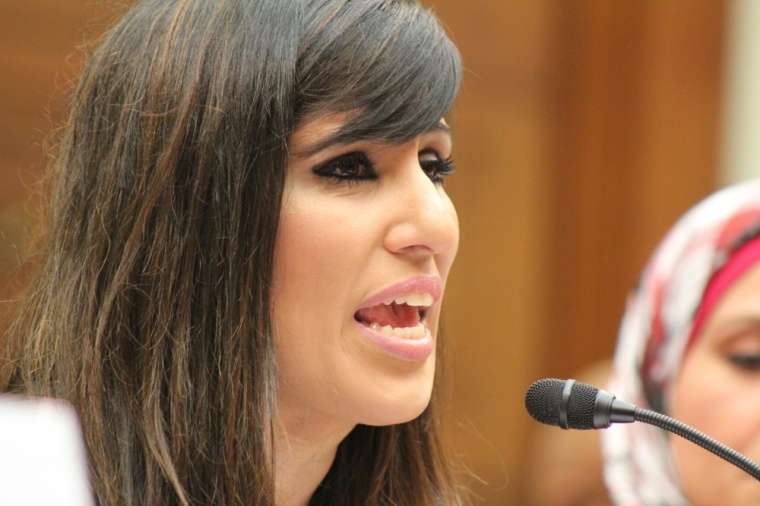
{"x": 305, "y": 448}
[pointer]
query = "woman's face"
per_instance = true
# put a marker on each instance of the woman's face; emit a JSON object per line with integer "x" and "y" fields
{"x": 718, "y": 393}
{"x": 367, "y": 237}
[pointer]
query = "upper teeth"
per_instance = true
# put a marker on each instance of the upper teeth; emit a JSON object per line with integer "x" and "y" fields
{"x": 415, "y": 299}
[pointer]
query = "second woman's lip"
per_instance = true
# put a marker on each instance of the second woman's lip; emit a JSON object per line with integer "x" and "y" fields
{"x": 432, "y": 285}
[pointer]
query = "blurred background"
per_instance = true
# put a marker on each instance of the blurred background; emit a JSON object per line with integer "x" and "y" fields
{"x": 583, "y": 130}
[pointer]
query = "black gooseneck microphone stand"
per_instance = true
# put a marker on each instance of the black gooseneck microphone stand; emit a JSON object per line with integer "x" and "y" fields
{"x": 698, "y": 438}
{"x": 574, "y": 405}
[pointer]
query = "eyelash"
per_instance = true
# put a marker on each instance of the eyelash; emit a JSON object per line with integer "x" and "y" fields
{"x": 338, "y": 169}
{"x": 749, "y": 363}
{"x": 440, "y": 168}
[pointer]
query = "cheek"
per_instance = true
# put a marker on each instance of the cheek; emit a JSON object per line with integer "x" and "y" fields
{"x": 321, "y": 252}
{"x": 312, "y": 285}
{"x": 724, "y": 404}
{"x": 718, "y": 399}
{"x": 318, "y": 254}
{"x": 699, "y": 398}
{"x": 306, "y": 252}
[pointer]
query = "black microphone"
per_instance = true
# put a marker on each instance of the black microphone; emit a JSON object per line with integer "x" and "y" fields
{"x": 574, "y": 405}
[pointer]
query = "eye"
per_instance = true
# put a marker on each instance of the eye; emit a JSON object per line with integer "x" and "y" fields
{"x": 351, "y": 167}
{"x": 738, "y": 343}
{"x": 747, "y": 362}
{"x": 436, "y": 167}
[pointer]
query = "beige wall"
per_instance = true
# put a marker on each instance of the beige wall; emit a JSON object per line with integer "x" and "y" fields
{"x": 583, "y": 130}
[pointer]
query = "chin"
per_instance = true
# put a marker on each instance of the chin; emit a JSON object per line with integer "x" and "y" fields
{"x": 396, "y": 417}
{"x": 399, "y": 404}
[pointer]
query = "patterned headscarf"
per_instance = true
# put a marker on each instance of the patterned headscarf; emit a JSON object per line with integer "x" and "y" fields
{"x": 655, "y": 334}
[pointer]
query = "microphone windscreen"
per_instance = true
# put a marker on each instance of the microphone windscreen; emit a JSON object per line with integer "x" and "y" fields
{"x": 580, "y": 408}
{"x": 543, "y": 399}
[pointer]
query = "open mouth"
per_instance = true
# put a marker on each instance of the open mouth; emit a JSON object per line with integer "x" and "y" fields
{"x": 403, "y": 317}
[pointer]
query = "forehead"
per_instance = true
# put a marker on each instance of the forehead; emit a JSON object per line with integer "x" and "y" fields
{"x": 741, "y": 301}
{"x": 310, "y": 132}
{"x": 744, "y": 295}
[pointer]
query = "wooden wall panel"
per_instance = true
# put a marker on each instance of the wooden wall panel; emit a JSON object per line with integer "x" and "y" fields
{"x": 494, "y": 307}
{"x": 41, "y": 47}
{"x": 584, "y": 130}
{"x": 637, "y": 116}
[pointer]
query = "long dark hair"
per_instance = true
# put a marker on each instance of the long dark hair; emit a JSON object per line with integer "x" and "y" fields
{"x": 151, "y": 308}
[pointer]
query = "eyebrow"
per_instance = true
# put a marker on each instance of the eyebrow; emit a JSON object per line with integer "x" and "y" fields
{"x": 441, "y": 126}
{"x": 333, "y": 140}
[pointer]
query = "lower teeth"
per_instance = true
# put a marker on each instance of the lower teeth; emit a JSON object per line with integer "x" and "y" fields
{"x": 416, "y": 332}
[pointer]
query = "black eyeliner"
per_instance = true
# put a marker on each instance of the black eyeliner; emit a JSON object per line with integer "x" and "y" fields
{"x": 338, "y": 168}
{"x": 748, "y": 362}
{"x": 442, "y": 167}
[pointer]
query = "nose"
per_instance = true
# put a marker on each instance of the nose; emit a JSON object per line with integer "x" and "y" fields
{"x": 425, "y": 221}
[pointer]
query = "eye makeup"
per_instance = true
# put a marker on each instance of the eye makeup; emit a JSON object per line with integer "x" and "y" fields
{"x": 739, "y": 343}
{"x": 357, "y": 166}
{"x": 350, "y": 167}
{"x": 436, "y": 168}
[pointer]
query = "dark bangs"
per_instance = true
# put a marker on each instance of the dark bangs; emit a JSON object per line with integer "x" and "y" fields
{"x": 389, "y": 61}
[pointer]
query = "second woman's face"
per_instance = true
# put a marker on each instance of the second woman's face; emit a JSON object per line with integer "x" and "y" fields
{"x": 367, "y": 237}
{"x": 718, "y": 393}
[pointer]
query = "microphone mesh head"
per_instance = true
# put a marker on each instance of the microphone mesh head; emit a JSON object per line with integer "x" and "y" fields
{"x": 543, "y": 398}
{"x": 580, "y": 408}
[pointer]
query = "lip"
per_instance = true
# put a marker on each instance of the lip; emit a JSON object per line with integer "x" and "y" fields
{"x": 408, "y": 349}
{"x": 419, "y": 284}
